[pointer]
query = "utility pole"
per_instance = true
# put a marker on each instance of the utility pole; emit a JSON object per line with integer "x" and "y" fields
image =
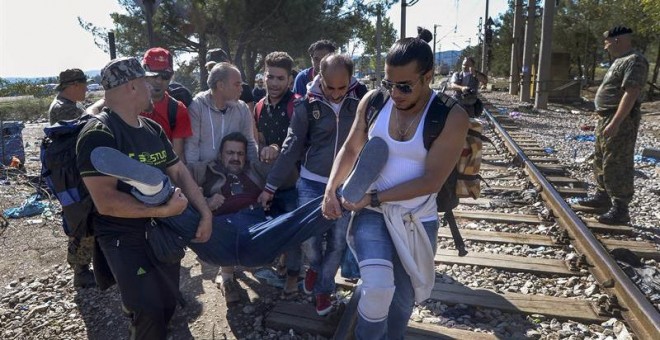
{"x": 111, "y": 45}
{"x": 543, "y": 74}
{"x": 516, "y": 48}
{"x": 403, "y": 18}
{"x": 435, "y": 26}
{"x": 379, "y": 33}
{"x": 484, "y": 51}
{"x": 527, "y": 53}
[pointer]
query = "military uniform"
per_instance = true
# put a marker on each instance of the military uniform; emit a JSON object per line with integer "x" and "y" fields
{"x": 613, "y": 162}
{"x": 63, "y": 109}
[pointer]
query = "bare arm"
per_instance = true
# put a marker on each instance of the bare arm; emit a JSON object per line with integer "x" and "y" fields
{"x": 96, "y": 107}
{"x": 440, "y": 161}
{"x": 178, "y": 146}
{"x": 182, "y": 178}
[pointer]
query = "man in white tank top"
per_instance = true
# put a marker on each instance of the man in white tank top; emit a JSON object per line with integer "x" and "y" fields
{"x": 395, "y": 274}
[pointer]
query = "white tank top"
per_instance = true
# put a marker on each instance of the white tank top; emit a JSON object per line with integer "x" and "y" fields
{"x": 406, "y": 159}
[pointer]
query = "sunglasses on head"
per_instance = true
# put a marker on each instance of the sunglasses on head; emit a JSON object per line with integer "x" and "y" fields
{"x": 403, "y": 88}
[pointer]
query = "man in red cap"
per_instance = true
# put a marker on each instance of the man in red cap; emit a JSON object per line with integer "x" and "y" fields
{"x": 171, "y": 114}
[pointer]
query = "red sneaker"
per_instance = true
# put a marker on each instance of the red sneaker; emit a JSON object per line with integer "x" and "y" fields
{"x": 310, "y": 280}
{"x": 323, "y": 304}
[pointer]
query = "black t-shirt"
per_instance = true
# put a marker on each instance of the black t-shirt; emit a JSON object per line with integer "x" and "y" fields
{"x": 147, "y": 144}
{"x": 274, "y": 120}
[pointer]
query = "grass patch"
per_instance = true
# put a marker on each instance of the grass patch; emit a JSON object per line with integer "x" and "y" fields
{"x": 31, "y": 109}
{"x": 24, "y": 109}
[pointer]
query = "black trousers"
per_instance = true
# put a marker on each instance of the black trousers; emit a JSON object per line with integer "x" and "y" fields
{"x": 148, "y": 288}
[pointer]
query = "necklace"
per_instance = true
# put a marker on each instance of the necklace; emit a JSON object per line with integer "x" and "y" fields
{"x": 403, "y": 133}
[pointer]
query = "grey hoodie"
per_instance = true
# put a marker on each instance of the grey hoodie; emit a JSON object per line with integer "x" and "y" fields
{"x": 316, "y": 133}
{"x": 210, "y": 125}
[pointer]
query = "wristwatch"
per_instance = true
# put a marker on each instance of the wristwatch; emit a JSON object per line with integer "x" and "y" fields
{"x": 375, "y": 202}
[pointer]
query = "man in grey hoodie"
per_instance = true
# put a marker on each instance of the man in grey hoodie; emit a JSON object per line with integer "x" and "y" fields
{"x": 215, "y": 113}
{"x": 319, "y": 126}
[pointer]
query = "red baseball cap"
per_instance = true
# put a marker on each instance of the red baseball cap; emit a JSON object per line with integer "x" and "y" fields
{"x": 157, "y": 60}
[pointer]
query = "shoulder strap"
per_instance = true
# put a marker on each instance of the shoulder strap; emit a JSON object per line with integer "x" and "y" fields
{"x": 257, "y": 109}
{"x": 436, "y": 118}
{"x": 375, "y": 105}
{"x": 172, "y": 107}
{"x": 104, "y": 117}
{"x": 290, "y": 104}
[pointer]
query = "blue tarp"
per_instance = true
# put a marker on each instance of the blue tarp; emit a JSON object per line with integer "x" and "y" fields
{"x": 30, "y": 207}
{"x": 582, "y": 138}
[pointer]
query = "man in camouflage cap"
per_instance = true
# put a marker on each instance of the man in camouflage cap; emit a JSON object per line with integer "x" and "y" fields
{"x": 149, "y": 289}
{"x": 71, "y": 89}
{"x": 618, "y": 107}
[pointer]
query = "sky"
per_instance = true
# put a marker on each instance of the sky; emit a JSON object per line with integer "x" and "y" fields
{"x": 40, "y": 38}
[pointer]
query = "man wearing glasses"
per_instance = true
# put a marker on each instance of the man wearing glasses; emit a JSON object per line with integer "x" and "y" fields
{"x": 169, "y": 113}
{"x": 394, "y": 227}
{"x": 157, "y": 62}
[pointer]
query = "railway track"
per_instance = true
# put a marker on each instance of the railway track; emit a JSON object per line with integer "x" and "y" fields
{"x": 521, "y": 224}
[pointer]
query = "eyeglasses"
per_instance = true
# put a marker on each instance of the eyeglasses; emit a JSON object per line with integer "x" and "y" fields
{"x": 403, "y": 88}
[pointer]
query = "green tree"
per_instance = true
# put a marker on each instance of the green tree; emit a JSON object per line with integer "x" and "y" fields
{"x": 247, "y": 30}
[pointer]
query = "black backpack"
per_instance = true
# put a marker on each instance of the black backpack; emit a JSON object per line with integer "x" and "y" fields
{"x": 60, "y": 172}
{"x": 180, "y": 93}
{"x": 433, "y": 125}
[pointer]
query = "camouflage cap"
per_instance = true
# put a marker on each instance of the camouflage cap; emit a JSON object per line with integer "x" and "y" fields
{"x": 120, "y": 71}
{"x": 70, "y": 76}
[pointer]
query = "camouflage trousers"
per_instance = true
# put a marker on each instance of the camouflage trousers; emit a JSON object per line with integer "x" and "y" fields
{"x": 614, "y": 166}
{"x": 80, "y": 251}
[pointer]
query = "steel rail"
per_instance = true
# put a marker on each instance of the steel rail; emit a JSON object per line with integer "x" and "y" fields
{"x": 636, "y": 309}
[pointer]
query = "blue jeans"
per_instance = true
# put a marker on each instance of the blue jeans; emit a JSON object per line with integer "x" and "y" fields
{"x": 325, "y": 263}
{"x": 285, "y": 201}
{"x": 373, "y": 241}
{"x": 244, "y": 239}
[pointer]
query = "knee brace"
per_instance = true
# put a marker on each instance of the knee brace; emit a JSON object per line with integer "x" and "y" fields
{"x": 377, "y": 289}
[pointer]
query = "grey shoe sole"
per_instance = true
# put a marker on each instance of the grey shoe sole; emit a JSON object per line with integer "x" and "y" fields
{"x": 150, "y": 185}
{"x": 146, "y": 179}
{"x": 369, "y": 165}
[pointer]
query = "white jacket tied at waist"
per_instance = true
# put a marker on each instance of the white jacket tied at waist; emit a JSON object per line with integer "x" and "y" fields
{"x": 411, "y": 242}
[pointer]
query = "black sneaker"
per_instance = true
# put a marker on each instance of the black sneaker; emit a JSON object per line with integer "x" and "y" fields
{"x": 230, "y": 290}
{"x": 83, "y": 277}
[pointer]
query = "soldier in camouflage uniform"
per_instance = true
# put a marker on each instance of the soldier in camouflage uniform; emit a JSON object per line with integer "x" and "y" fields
{"x": 618, "y": 107}
{"x": 72, "y": 89}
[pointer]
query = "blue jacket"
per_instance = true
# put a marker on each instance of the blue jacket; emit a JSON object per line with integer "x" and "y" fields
{"x": 304, "y": 77}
